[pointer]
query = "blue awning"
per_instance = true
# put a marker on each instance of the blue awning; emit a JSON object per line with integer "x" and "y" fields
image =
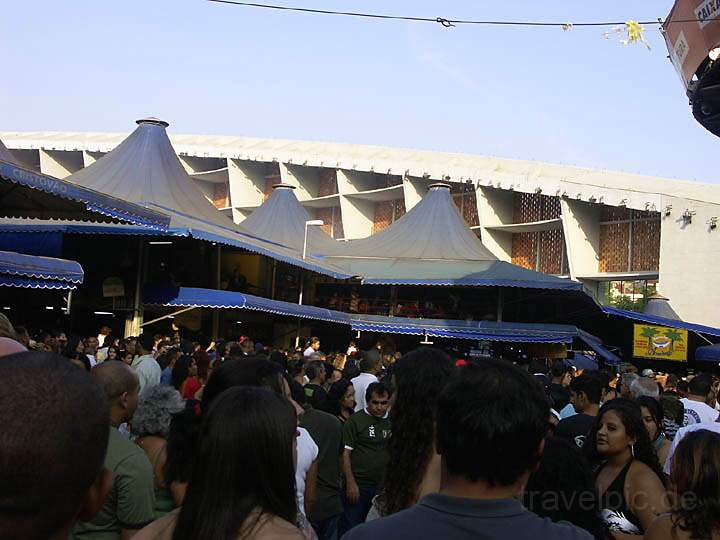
{"x": 446, "y": 328}
{"x": 597, "y": 345}
{"x": 30, "y": 271}
{"x": 472, "y": 330}
{"x": 92, "y": 200}
{"x": 708, "y": 353}
{"x": 231, "y": 238}
{"x": 211, "y": 298}
{"x": 662, "y": 321}
{"x": 582, "y": 361}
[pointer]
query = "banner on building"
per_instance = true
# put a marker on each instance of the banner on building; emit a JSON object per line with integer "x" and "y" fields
{"x": 660, "y": 343}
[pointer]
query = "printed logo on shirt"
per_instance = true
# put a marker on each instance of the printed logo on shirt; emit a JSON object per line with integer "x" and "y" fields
{"x": 691, "y": 417}
{"x": 371, "y": 431}
{"x": 580, "y": 440}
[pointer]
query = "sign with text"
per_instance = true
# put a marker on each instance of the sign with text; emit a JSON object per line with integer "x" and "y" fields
{"x": 660, "y": 342}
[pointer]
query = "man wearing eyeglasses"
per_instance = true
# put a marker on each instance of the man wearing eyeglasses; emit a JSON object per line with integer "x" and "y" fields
{"x": 365, "y": 436}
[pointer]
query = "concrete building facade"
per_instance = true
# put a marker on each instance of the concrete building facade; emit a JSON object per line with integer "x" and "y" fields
{"x": 615, "y": 232}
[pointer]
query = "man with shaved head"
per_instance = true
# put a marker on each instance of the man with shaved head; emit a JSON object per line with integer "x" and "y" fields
{"x": 53, "y": 439}
{"x": 130, "y": 505}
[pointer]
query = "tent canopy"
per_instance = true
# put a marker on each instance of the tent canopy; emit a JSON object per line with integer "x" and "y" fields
{"x": 431, "y": 230}
{"x": 27, "y": 194}
{"x": 145, "y": 169}
{"x": 28, "y": 271}
{"x": 430, "y": 245}
{"x": 708, "y": 353}
{"x": 282, "y": 219}
{"x": 659, "y": 306}
{"x": 448, "y": 328}
{"x": 211, "y": 298}
{"x": 661, "y": 321}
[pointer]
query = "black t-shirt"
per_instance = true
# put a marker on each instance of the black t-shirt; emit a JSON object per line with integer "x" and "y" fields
{"x": 575, "y": 428}
{"x": 315, "y": 394}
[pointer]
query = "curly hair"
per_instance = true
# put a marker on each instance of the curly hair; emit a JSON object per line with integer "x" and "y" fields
{"x": 420, "y": 377}
{"x": 155, "y": 410}
{"x": 696, "y": 476}
{"x": 631, "y": 417}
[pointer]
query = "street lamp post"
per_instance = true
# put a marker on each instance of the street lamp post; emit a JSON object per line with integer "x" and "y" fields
{"x": 309, "y": 223}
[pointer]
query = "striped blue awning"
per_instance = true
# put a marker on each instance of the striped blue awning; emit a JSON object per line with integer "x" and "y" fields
{"x": 93, "y": 200}
{"x": 29, "y": 271}
{"x": 662, "y": 321}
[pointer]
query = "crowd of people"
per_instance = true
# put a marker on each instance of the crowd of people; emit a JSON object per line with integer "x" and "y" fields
{"x": 157, "y": 437}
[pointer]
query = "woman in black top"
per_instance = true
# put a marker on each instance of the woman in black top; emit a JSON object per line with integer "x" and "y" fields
{"x": 629, "y": 478}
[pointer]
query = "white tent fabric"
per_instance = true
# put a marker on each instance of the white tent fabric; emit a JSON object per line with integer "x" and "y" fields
{"x": 659, "y": 306}
{"x": 432, "y": 230}
{"x": 145, "y": 169}
{"x": 282, "y": 219}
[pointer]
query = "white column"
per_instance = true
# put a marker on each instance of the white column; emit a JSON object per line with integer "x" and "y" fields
{"x": 495, "y": 207}
{"x": 357, "y": 214}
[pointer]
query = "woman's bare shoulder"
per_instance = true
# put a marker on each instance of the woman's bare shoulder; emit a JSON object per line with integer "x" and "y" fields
{"x": 160, "y": 529}
{"x": 661, "y": 529}
{"x": 275, "y": 527}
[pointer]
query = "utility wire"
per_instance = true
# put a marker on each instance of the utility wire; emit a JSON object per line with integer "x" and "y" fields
{"x": 447, "y": 23}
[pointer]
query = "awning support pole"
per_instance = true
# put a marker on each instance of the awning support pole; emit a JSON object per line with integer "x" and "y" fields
{"x": 168, "y": 316}
{"x": 134, "y": 323}
{"x": 216, "y": 312}
{"x": 300, "y": 303}
{"x": 272, "y": 285}
{"x": 500, "y": 306}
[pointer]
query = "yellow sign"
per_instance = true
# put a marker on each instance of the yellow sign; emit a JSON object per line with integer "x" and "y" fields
{"x": 660, "y": 343}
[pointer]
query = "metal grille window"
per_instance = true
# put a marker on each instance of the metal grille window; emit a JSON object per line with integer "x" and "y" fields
{"x": 386, "y": 213}
{"x": 543, "y": 251}
{"x": 629, "y": 240}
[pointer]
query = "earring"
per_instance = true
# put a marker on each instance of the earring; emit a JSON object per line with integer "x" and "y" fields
{"x": 632, "y": 450}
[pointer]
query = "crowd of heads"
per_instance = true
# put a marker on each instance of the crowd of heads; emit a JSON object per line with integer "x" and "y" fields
{"x": 227, "y": 416}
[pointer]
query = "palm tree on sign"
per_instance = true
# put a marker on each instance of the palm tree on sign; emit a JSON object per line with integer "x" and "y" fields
{"x": 649, "y": 332}
{"x": 673, "y": 335}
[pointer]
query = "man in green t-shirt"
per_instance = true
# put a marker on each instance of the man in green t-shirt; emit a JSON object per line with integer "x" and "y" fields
{"x": 365, "y": 455}
{"x": 130, "y": 505}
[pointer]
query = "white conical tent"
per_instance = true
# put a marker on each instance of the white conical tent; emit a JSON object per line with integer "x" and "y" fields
{"x": 659, "y": 306}
{"x": 145, "y": 169}
{"x": 433, "y": 229}
{"x": 282, "y": 219}
{"x": 6, "y": 155}
{"x": 432, "y": 245}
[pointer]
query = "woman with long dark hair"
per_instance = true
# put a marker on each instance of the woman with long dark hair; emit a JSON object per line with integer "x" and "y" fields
{"x": 695, "y": 478}
{"x": 632, "y": 494}
{"x": 563, "y": 489}
{"x": 414, "y": 467}
{"x": 652, "y": 415}
{"x": 340, "y": 401}
{"x": 242, "y": 486}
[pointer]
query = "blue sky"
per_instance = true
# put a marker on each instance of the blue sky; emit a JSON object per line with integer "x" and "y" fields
{"x": 562, "y": 97}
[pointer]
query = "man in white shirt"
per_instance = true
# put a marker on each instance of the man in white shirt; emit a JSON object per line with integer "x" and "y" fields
{"x": 145, "y": 365}
{"x": 306, "y": 470}
{"x": 369, "y": 366}
{"x": 104, "y": 333}
{"x": 312, "y": 348}
{"x": 700, "y": 391}
{"x": 91, "y": 348}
